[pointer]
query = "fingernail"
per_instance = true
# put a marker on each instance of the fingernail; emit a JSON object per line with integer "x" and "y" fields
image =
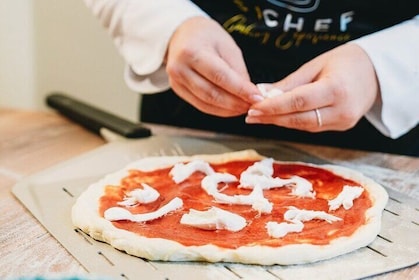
{"x": 254, "y": 113}
{"x": 257, "y": 98}
{"x": 249, "y": 120}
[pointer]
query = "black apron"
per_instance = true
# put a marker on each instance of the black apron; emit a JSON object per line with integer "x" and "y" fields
{"x": 277, "y": 37}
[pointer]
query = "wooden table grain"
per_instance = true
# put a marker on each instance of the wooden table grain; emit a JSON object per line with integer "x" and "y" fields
{"x": 31, "y": 141}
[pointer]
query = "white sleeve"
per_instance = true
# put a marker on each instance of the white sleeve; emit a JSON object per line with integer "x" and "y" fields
{"x": 394, "y": 53}
{"x": 141, "y": 30}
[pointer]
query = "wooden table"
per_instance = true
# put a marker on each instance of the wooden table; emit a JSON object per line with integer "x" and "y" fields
{"x": 32, "y": 141}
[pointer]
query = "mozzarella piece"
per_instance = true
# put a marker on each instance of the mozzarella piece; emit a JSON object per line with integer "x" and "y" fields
{"x": 145, "y": 195}
{"x": 213, "y": 219}
{"x": 301, "y": 187}
{"x": 119, "y": 213}
{"x": 255, "y": 198}
{"x": 294, "y": 221}
{"x": 295, "y": 214}
{"x": 181, "y": 171}
{"x": 260, "y": 174}
{"x": 268, "y": 93}
{"x": 278, "y": 230}
{"x": 210, "y": 182}
{"x": 345, "y": 198}
{"x": 262, "y": 167}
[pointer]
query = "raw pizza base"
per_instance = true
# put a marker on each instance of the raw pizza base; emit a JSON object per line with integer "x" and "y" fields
{"x": 86, "y": 217}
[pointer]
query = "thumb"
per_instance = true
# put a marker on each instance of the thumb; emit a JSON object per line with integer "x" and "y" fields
{"x": 307, "y": 73}
{"x": 237, "y": 64}
{"x": 233, "y": 56}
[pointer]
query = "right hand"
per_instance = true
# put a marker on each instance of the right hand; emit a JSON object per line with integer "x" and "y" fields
{"x": 206, "y": 68}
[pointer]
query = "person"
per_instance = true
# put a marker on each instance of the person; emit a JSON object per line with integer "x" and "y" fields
{"x": 348, "y": 70}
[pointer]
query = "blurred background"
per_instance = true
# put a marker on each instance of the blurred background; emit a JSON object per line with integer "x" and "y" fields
{"x": 58, "y": 45}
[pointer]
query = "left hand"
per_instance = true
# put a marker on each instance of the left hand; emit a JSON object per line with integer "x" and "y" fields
{"x": 331, "y": 92}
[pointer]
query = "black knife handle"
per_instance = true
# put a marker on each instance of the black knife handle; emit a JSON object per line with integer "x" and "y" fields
{"x": 93, "y": 118}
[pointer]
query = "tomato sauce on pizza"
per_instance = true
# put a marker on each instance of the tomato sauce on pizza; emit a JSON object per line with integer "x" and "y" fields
{"x": 326, "y": 185}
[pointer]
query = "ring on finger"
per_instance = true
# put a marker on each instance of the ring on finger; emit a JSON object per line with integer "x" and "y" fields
{"x": 319, "y": 117}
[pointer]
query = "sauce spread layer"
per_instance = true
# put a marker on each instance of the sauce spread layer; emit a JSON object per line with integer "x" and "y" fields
{"x": 326, "y": 185}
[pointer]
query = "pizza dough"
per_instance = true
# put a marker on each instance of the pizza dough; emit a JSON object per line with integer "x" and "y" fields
{"x": 87, "y": 216}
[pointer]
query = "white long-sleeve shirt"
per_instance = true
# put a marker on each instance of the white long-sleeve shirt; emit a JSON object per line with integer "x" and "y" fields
{"x": 394, "y": 53}
{"x": 142, "y": 29}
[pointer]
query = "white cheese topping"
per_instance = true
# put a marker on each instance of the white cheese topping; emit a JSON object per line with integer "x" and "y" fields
{"x": 119, "y": 213}
{"x": 213, "y": 219}
{"x": 210, "y": 182}
{"x": 278, "y": 230}
{"x": 295, "y": 214}
{"x": 181, "y": 171}
{"x": 268, "y": 93}
{"x": 263, "y": 167}
{"x": 255, "y": 198}
{"x": 260, "y": 174}
{"x": 301, "y": 187}
{"x": 145, "y": 195}
{"x": 345, "y": 198}
{"x": 295, "y": 218}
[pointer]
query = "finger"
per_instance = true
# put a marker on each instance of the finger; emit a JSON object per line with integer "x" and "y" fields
{"x": 234, "y": 58}
{"x": 213, "y": 94}
{"x": 307, "y": 73}
{"x": 303, "y": 98}
{"x": 207, "y": 108}
{"x": 325, "y": 119}
{"x": 218, "y": 72}
{"x": 198, "y": 91}
{"x": 312, "y": 121}
{"x": 215, "y": 105}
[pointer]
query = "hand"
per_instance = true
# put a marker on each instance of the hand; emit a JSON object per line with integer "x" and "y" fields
{"x": 206, "y": 69}
{"x": 341, "y": 84}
